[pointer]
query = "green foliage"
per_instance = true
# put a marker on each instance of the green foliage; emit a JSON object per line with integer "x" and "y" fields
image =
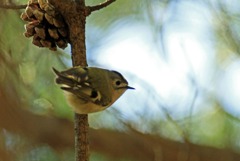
{"x": 99, "y": 157}
{"x": 45, "y": 153}
{"x": 27, "y": 68}
{"x": 121, "y": 9}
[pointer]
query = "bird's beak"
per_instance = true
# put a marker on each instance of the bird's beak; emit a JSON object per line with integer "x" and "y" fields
{"x": 128, "y": 87}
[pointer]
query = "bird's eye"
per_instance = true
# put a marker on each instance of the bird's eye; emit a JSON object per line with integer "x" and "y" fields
{"x": 94, "y": 94}
{"x": 118, "y": 83}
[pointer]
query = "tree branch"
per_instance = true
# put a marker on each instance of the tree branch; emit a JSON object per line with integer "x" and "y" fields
{"x": 91, "y": 9}
{"x": 13, "y": 6}
{"x": 75, "y": 17}
{"x": 81, "y": 137}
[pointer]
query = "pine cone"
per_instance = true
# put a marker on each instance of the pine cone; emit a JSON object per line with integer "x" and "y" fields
{"x": 45, "y": 24}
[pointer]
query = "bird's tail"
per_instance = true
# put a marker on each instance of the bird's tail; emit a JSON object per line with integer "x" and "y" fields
{"x": 63, "y": 79}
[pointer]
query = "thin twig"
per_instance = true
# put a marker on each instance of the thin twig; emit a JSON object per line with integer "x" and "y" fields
{"x": 81, "y": 137}
{"x": 90, "y": 9}
{"x": 73, "y": 13}
{"x": 13, "y": 6}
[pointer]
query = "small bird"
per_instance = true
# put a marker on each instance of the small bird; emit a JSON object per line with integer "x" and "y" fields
{"x": 91, "y": 89}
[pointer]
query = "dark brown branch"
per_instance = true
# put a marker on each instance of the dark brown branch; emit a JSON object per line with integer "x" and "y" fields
{"x": 76, "y": 23}
{"x": 81, "y": 137}
{"x": 13, "y": 6}
{"x": 91, "y": 9}
{"x": 75, "y": 17}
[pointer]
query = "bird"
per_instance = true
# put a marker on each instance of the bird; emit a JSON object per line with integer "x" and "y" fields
{"x": 91, "y": 89}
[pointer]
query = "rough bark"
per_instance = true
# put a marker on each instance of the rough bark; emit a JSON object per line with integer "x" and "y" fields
{"x": 75, "y": 17}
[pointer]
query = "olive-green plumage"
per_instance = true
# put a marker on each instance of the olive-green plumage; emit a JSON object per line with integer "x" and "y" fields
{"x": 91, "y": 89}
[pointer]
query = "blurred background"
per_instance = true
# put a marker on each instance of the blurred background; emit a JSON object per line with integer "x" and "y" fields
{"x": 181, "y": 56}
